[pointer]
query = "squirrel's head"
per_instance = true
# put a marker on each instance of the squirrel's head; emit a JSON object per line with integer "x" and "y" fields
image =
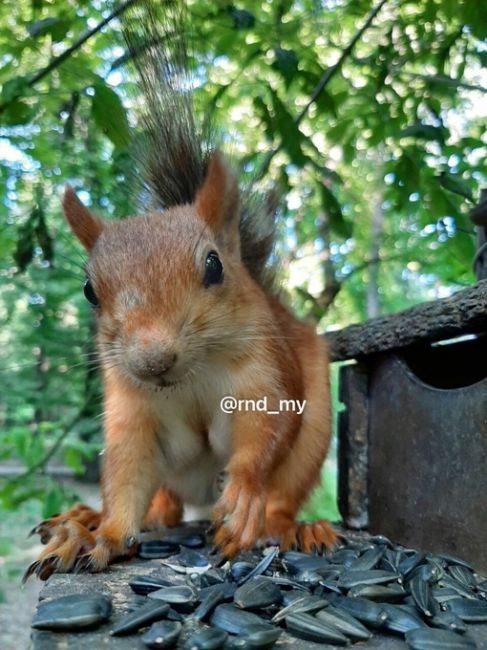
{"x": 168, "y": 288}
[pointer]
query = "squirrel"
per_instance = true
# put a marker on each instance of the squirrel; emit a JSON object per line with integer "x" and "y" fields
{"x": 186, "y": 316}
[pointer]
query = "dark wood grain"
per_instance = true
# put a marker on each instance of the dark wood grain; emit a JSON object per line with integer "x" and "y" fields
{"x": 465, "y": 311}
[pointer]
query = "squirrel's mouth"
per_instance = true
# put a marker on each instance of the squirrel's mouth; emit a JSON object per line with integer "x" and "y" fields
{"x": 161, "y": 382}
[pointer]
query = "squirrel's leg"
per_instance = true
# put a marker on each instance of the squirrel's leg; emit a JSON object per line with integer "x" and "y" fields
{"x": 130, "y": 476}
{"x": 166, "y": 510}
{"x": 129, "y": 481}
{"x": 298, "y": 474}
{"x": 80, "y": 513}
{"x": 239, "y": 514}
{"x": 283, "y": 528}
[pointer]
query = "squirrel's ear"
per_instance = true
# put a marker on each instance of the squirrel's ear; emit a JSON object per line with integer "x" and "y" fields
{"x": 85, "y": 225}
{"x": 217, "y": 200}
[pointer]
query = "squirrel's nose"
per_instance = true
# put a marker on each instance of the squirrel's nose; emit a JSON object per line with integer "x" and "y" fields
{"x": 151, "y": 362}
{"x": 157, "y": 365}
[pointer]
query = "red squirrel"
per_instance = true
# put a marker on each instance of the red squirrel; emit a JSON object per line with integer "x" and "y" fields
{"x": 185, "y": 317}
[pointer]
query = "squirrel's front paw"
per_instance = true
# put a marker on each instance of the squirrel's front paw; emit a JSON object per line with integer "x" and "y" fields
{"x": 107, "y": 548}
{"x": 74, "y": 548}
{"x": 68, "y": 541}
{"x": 80, "y": 513}
{"x": 239, "y": 518}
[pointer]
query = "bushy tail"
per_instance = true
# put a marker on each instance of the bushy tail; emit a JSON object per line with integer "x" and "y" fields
{"x": 174, "y": 149}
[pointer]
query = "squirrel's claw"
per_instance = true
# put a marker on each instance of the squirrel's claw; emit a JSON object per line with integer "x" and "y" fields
{"x": 83, "y": 563}
{"x": 32, "y": 568}
{"x": 43, "y": 569}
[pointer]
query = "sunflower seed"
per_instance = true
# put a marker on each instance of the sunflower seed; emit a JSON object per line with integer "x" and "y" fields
{"x": 410, "y": 562}
{"x": 143, "y": 585}
{"x": 430, "y": 639}
{"x": 140, "y": 617}
{"x": 344, "y": 556}
{"x": 471, "y": 611}
{"x": 234, "y": 620}
{"x": 257, "y": 636}
{"x": 393, "y": 593}
{"x": 452, "y": 559}
{"x": 183, "y": 538}
{"x": 308, "y": 627}
{"x": 75, "y": 612}
{"x": 462, "y": 575}
{"x": 282, "y": 581}
{"x": 369, "y": 560}
{"x": 208, "y": 639}
{"x": 157, "y": 549}
{"x": 400, "y": 620}
{"x": 429, "y": 572}
{"x": 212, "y": 597}
{"x": 364, "y": 610}
{"x": 179, "y": 595}
{"x": 350, "y": 579}
{"x": 240, "y": 570}
{"x": 262, "y": 566}
{"x": 460, "y": 588}
{"x": 213, "y": 576}
{"x": 448, "y": 621}
{"x": 189, "y": 558}
{"x": 309, "y": 604}
{"x": 421, "y": 594}
{"x": 346, "y": 624}
{"x": 260, "y": 592}
{"x": 162, "y": 635}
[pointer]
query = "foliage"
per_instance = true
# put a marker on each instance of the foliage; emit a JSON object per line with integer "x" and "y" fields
{"x": 389, "y": 126}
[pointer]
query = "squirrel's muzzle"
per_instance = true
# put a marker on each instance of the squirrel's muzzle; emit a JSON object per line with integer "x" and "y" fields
{"x": 150, "y": 359}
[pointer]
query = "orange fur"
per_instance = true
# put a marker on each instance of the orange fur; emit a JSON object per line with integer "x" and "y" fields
{"x": 167, "y": 439}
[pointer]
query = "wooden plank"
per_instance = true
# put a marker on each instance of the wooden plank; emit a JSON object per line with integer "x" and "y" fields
{"x": 353, "y": 446}
{"x": 465, "y": 311}
{"x": 114, "y": 583}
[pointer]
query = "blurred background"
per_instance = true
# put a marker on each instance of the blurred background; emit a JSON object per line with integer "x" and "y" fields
{"x": 368, "y": 117}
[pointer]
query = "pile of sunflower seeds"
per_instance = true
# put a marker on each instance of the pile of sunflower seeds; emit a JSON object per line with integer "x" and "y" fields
{"x": 363, "y": 587}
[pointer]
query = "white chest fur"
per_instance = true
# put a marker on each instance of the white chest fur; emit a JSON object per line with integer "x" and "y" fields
{"x": 194, "y": 436}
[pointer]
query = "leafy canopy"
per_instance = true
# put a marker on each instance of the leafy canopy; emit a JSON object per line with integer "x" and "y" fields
{"x": 368, "y": 116}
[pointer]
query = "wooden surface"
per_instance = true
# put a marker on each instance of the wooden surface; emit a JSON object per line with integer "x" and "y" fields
{"x": 353, "y": 431}
{"x": 114, "y": 584}
{"x": 465, "y": 311}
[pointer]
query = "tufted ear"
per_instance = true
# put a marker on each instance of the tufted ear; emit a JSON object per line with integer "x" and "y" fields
{"x": 84, "y": 224}
{"x": 217, "y": 201}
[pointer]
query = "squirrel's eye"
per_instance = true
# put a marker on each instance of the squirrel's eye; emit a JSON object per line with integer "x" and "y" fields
{"x": 213, "y": 269}
{"x": 90, "y": 294}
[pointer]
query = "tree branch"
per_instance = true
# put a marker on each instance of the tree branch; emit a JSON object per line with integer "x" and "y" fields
{"x": 320, "y": 304}
{"x": 58, "y": 60}
{"x": 50, "y": 453}
{"x": 323, "y": 82}
{"x": 440, "y": 79}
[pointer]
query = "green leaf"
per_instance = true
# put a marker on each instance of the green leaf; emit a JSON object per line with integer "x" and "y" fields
{"x": 286, "y": 63}
{"x": 44, "y": 238}
{"x": 263, "y": 111}
{"x": 57, "y": 27}
{"x": 333, "y": 210}
{"x": 288, "y": 130}
{"x": 110, "y": 115}
{"x": 72, "y": 458}
{"x": 24, "y": 251}
{"x": 13, "y": 88}
{"x": 242, "y": 19}
{"x": 52, "y": 502}
{"x": 462, "y": 245}
{"x": 423, "y": 132}
{"x": 18, "y": 112}
{"x": 456, "y": 185}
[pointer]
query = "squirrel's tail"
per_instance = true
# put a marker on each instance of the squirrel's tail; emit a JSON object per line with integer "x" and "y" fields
{"x": 176, "y": 146}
